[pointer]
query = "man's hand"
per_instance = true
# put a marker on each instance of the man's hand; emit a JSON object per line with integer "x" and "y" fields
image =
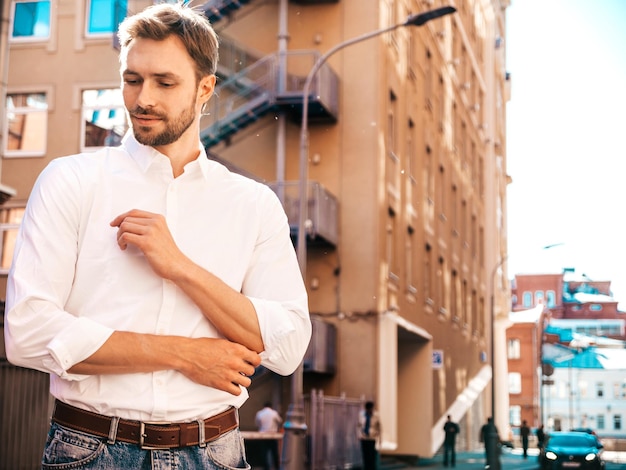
{"x": 149, "y": 232}
{"x": 218, "y": 363}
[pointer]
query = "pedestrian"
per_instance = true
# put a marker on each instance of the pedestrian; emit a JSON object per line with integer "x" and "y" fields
{"x": 267, "y": 419}
{"x": 524, "y": 432}
{"x": 451, "y": 429}
{"x": 149, "y": 281}
{"x": 541, "y": 436}
{"x": 492, "y": 446}
{"x": 369, "y": 434}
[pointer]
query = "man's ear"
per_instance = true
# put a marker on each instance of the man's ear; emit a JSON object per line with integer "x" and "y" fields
{"x": 206, "y": 88}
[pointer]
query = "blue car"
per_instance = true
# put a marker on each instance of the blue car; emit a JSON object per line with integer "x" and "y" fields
{"x": 571, "y": 450}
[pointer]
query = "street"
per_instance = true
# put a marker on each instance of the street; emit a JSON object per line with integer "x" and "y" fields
{"x": 511, "y": 460}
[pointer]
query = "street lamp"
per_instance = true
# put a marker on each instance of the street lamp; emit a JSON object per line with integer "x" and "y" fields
{"x": 491, "y": 439}
{"x": 295, "y": 425}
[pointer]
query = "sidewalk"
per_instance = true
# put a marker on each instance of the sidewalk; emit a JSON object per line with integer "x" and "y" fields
{"x": 509, "y": 460}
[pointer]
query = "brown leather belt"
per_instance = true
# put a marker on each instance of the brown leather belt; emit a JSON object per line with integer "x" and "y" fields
{"x": 147, "y": 435}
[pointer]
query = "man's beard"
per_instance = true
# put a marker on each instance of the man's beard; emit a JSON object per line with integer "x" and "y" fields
{"x": 174, "y": 129}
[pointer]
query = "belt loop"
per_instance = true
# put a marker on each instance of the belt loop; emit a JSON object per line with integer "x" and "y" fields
{"x": 201, "y": 431}
{"x": 115, "y": 420}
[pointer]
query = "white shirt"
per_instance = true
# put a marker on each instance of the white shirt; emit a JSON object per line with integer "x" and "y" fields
{"x": 374, "y": 431}
{"x": 70, "y": 285}
{"x": 268, "y": 420}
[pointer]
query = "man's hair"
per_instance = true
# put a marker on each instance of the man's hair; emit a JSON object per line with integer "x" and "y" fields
{"x": 160, "y": 21}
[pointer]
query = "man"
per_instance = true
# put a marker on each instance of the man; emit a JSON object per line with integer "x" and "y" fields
{"x": 451, "y": 429}
{"x": 149, "y": 281}
{"x": 369, "y": 432}
{"x": 486, "y": 433}
{"x": 524, "y": 432}
{"x": 541, "y": 436}
{"x": 267, "y": 419}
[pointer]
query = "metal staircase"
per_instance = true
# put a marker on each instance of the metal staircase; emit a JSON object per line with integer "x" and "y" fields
{"x": 216, "y": 10}
{"x": 251, "y": 93}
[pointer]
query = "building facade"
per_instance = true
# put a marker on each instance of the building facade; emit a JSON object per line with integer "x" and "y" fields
{"x": 405, "y": 169}
{"x": 524, "y": 337}
{"x": 572, "y": 372}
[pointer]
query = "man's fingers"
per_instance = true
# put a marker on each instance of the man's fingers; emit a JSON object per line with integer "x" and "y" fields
{"x": 135, "y": 214}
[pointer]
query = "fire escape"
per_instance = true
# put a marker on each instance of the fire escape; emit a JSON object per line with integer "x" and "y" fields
{"x": 252, "y": 87}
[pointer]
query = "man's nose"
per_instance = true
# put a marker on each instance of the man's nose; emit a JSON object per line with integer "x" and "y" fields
{"x": 146, "y": 96}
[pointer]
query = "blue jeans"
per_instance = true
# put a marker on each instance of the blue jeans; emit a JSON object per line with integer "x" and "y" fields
{"x": 69, "y": 449}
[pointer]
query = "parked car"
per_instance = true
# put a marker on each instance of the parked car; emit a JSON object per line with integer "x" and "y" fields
{"x": 587, "y": 430}
{"x": 566, "y": 450}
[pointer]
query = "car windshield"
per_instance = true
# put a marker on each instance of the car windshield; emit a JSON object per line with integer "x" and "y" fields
{"x": 572, "y": 441}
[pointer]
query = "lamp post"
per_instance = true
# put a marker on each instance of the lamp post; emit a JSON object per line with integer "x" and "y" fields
{"x": 491, "y": 439}
{"x": 295, "y": 425}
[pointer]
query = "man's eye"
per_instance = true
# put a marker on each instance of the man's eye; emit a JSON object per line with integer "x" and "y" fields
{"x": 166, "y": 84}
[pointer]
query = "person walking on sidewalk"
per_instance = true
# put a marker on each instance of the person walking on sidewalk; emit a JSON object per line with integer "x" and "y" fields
{"x": 451, "y": 429}
{"x": 541, "y": 437}
{"x": 369, "y": 433}
{"x": 524, "y": 432}
{"x": 485, "y": 438}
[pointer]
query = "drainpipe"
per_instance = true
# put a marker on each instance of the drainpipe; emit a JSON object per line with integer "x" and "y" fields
{"x": 6, "y": 192}
{"x": 281, "y": 80}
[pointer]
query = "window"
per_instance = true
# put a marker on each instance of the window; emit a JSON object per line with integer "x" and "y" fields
{"x": 391, "y": 246}
{"x": 595, "y": 307}
{"x": 103, "y": 16}
{"x": 442, "y": 294}
{"x": 427, "y": 275}
{"x": 551, "y": 298}
{"x": 538, "y": 297}
{"x": 10, "y": 219}
{"x": 27, "y": 125}
{"x": 515, "y": 383}
{"x": 600, "y": 421}
{"x": 104, "y": 118}
{"x": 527, "y": 299}
{"x": 599, "y": 389}
{"x": 617, "y": 422}
{"x": 454, "y": 295}
{"x": 513, "y": 349}
{"x": 31, "y": 20}
{"x": 515, "y": 415}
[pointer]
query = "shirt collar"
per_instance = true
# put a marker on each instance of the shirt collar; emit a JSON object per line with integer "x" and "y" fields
{"x": 145, "y": 156}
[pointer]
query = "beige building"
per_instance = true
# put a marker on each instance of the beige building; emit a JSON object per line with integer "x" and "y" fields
{"x": 406, "y": 164}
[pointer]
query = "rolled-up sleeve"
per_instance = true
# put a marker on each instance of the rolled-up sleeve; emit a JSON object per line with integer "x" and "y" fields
{"x": 39, "y": 333}
{"x": 275, "y": 287}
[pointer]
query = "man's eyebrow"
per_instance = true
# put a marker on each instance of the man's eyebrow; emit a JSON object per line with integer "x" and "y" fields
{"x": 167, "y": 75}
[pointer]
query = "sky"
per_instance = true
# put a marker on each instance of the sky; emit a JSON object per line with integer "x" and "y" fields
{"x": 566, "y": 138}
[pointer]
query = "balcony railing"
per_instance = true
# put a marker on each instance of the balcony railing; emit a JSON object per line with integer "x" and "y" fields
{"x": 322, "y": 223}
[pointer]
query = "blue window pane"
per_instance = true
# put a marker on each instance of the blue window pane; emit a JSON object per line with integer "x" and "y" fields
{"x": 105, "y": 15}
{"x": 32, "y": 19}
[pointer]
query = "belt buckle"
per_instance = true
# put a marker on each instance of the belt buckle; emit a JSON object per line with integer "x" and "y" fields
{"x": 142, "y": 434}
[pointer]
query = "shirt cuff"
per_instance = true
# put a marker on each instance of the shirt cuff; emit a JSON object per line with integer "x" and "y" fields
{"x": 75, "y": 344}
{"x": 286, "y": 332}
